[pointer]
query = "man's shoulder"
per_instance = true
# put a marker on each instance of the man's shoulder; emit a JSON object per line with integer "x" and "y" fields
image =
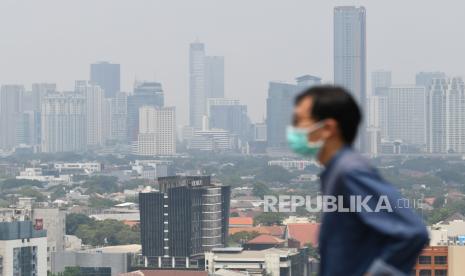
{"x": 352, "y": 161}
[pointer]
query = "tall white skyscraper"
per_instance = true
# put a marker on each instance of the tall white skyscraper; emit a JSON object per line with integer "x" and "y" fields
{"x": 11, "y": 97}
{"x": 206, "y": 81}
{"x": 350, "y": 55}
{"x": 157, "y": 131}
{"x": 94, "y": 95}
{"x": 63, "y": 118}
{"x": 407, "y": 114}
{"x": 446, "y": 114}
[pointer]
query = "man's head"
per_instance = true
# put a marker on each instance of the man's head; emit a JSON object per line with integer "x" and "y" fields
{"x": 333, "y": 115}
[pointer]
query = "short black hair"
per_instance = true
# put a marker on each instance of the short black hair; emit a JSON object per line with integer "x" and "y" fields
{"x": 336, "y": 103}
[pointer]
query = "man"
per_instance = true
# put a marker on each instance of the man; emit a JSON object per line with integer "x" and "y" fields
{"x": 363, "y": 241}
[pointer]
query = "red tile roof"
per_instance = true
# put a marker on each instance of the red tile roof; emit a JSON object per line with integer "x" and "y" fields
{"x": 265, "y": 239}
{"x": 241, "y": 221}
{"x": 304, "y": 233}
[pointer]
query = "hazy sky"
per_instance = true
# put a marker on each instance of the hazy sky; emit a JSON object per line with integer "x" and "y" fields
{"x": 262, "y": 40}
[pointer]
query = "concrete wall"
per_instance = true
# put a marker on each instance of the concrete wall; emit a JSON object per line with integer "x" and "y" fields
{"x": 117, "y": 261}
{"x": 456, "y": 260}
{"x": 6, "y": 251}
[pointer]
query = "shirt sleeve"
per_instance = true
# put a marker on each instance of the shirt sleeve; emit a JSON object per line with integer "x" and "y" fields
{"x": 391, "y": 217}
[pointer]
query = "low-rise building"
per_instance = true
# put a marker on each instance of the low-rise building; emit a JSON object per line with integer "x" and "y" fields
{"x": 111, "y": 260}
{"x": 273, "y": 261}
{"x": 23, "y": 250}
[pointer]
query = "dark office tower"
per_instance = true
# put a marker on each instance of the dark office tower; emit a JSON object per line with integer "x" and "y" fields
{"x": 146, "y": 93}
{"x": 185, "y": 218}
{"x": 107, "y": 76}
{"x": 279, "y": 108}
{"x": 350, "y": 56}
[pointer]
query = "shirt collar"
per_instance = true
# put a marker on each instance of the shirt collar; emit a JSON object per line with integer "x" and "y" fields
{"x": 329, "y": 167}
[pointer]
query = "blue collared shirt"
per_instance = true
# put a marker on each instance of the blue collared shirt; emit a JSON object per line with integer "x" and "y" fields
{"x": 383, "y": 242}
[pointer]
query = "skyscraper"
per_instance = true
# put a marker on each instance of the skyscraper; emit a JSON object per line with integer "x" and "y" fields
{"x": 279, "y": 108}
{"x": 63, "y": 118}
{"x": 214, "y": 76}
{"x": 197, "y": 91}
{"x": 118, "y": 118}
{"x": 407, "y": 114}
{"x": 107, "y": 76}
{"x": 435, "y": 85}
{"x": 11, "y": 97}
{"x": 350, "y": 56}
{"x": 446, "y": 116}
{"x": 187, "y": 217}
{"x": 206, "y": 81}
{"x": 229, "y": 115}
{"x": 380, "y": 79}
{"x": 157, "y": 131}
{"x": 146, "y": 93}
{"x": 94, "y": 111}
{"x": 40, "y": 90}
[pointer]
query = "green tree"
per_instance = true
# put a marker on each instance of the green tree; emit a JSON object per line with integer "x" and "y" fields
{"x": 269, "y": 219}
{"x": 74, "y": 220}
{"x": 17, "y": 183}
{"x": 242, "y": 237}
{"x": 261, "y": 189}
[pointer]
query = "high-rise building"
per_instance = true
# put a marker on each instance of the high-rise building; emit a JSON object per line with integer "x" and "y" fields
{"x": 40, "y": 90}
{"x": 28, "y": 130}
{"x": 280, "y": 106}
{"x": 11, "y": 97}
{"x": 376, "y": 109}
{"x": 380, "y": 79}
{"x": 53, "y": 221}
{"x": 107, "y": 76}
{"x": 407, "y": 102}
{"x": 446, "y": 116}
{"x": 425, "y": 79}
{"x": 157, "y": 131}
{"x": 206, "y": 81}
{"x": 214, "y": 77}
{"x": 350, "y": 56}
{"x": 145, "y": 94}
{"x": 63, "y": 119}
{"x": 229, "y": 115}
{"x": 23, "y": 249}
{"x": 197, "y": 91}
{"x": 118, "y": 117}
{"x": 259, "y": 132}
{"x": 188, "y": 216}
{"x": 94, "y": 111}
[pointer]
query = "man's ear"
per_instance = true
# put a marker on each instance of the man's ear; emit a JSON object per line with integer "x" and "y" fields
{"x": 332, "y": 127}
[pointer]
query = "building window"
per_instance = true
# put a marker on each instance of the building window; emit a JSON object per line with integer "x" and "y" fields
{"x": 440, "y": 260}
{"x": 424, "y": 260}
{"x": 425, "y": 272}
{"x": 440, "y": 272}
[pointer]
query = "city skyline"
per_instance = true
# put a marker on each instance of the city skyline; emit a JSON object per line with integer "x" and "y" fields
{"x": 395, "y": 45}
